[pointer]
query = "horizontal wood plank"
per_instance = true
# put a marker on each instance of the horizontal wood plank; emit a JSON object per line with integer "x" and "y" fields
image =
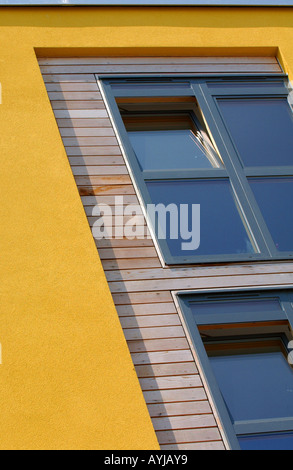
{"x": 102, "y": 180}
{"x": 147, "y": 309}
{"x": 153, "y": 333}
{"x": 177, "y": 395}
{"x": 188, "y": 435}
{"x": 88, "y": 105}
{"x": 150, "y": 321}
{"x": 179, "y": 409}
{"x": 184, "y": 422}
{"x": 70, "y": 77}
{"x": 203, "y": 283}
{"x": 135, "y": 263}
{"x": 96, "y": 160}
{"x": 67, "y": 87}
{"x": 87, "y": 132}
{"x": 99, "y": 170}
{"x": 212, "y": 445}
{"x": 80, "y": 113}
{"x": 207, "y": 271}
{"x": 207, "y": 67}
{"x": 76, "y": 123}
{"x": 161, "y": 370}
{"x": 142, "y": 298}
{"x": 112, "y": 200}
{"x": 156, "y": 60}
{"x": 165, "y": 383}
{"x": 115, "y": 253}
{"x": 162, "y": 357}
{"x": 83, "y": 96}
{"x": 93, "y": 150}
{"x": 123, "y": 243}
{"x": 165, "y": 344}
{"x": 117, "y": 190}
{"x": 137, "y": 221}
{"x": 89, "y": 141}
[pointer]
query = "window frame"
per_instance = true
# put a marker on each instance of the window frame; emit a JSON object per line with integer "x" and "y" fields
{"x": 206, "y": 96}
{"x": 285, "y": 296}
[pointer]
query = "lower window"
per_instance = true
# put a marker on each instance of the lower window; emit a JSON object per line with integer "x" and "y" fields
{"x": 243, "y": 343}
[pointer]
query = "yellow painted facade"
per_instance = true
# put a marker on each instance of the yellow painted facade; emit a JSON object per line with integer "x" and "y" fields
{"x": 66, "y": 379}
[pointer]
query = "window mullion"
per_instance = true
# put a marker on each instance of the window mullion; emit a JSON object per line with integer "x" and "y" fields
{"x": 268, "y": 171}
{"x": 263, "y": 426}
{"x": 184, "y": 174}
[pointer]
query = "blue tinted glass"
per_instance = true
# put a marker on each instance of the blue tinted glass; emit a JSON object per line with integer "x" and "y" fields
{"x": 200, "y": 309}
{"x": 170, "y": 149}
{"x": 274, "y": 197}
{"x": 270, "y": 441}
{"x": 149, "y": 85}
{"x": 262, "y": 130}
{"x": 246, "y": 84}
{"x": 255, "y": 386}
{"x": 221, "y": 227}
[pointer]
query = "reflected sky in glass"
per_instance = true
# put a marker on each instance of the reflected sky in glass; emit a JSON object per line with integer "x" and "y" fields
{"x": 262, "y": 130}
{"x": 269, "y": 441}
{"x": 200, "y": 309}
{"x": 221, "y": 227}
{"x": 255, "y": 386}
{"x": 169, "y": 149}
{"x": 275, "y": 197}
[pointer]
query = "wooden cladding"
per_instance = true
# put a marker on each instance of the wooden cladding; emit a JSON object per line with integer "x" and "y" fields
{"x": 166, "y": 365}
{"x": 56, "y": 69}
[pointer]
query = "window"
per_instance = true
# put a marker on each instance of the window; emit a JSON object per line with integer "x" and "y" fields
{"x": 243, "y": 344}
{"x": 224, "y": 144}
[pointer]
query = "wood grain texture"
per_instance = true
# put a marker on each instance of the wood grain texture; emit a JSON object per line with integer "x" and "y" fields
{"x": 217, "y": 66}
{"x": 141, "y": 287}
{"x": 65, "y": 61}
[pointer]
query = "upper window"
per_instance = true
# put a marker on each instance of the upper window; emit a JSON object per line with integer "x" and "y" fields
{"x": 221, "y": 145}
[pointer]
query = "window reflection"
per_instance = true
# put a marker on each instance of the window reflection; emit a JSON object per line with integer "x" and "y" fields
{"x": 219, "y": 210}
{"x": 250, "y": 364}
{"x": 168, "y": 134}
{"x": 274, "y": 197}
{"x": 262, "y": 130}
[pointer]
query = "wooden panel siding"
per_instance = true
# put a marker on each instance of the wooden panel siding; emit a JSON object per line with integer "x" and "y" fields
{"x": 54, "y": 68}
{"x": 179, "y": 404}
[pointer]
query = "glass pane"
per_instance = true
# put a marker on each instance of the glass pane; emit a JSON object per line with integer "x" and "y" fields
{"x": 233, "y": 307}
{"x": 149, "y": 86}
{"x": 169, "y": 140}
{"x": 270, "y": 441}
{"x": 171, "y": 149}
{"x": 255, "y": 386}
{"x": 221, "y": 227}
{"x": 262, "y": 130}
{"x": 274, "y": 197}
{"x": 246, "y": 84}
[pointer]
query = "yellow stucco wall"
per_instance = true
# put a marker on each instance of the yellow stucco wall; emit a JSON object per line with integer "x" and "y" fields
{"x": 67, "y": 381}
